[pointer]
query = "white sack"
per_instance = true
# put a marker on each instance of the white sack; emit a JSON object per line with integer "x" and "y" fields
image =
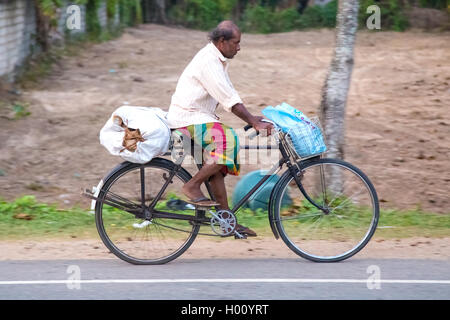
{"x": 153, "y": 127}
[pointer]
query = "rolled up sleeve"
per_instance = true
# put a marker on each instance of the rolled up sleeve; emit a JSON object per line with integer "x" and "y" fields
{"x": 214, "y": 80}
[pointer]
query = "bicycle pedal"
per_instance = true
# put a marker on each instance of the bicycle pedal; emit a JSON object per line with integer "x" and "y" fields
{"x": 240, "y": 236}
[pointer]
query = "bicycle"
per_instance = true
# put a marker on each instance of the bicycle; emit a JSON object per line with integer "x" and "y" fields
{"x": 325, "y": 210}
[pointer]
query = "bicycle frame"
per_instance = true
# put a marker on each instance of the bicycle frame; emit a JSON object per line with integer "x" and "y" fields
{"x": 143, "y": 211}
{"x": 285, "y": 159}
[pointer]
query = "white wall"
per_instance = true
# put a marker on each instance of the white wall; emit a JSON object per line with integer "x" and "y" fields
{"x": 18, "y": 29}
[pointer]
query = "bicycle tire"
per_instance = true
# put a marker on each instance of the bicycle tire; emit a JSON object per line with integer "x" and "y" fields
{"x": 297, "y": 234}
{"x": 112, "y": 244}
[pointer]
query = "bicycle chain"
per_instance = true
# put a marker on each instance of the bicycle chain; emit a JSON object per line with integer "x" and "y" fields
{"x": 200, "y": 233}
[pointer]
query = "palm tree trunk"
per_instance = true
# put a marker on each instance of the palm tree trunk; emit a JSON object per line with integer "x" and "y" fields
{"x": 335, "y": 89}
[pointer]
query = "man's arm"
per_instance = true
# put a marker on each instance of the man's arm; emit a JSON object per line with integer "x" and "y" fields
{"x": 214, "y": 81}
{"x": 241, "y": 111}
{"x": 255, "y": 121}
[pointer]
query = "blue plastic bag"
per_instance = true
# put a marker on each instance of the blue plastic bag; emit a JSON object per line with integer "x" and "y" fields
{"x": 305, "y": 135}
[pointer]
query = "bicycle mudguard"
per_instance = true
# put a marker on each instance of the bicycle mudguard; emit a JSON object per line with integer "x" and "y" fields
{"x": 270, "y": 210}
{"x": 276, "y": 189}
{"x": 273, "y": 194}
{"x": 96, "y": 190}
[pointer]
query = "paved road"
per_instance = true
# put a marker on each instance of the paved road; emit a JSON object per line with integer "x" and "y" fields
{"x": 202, "y": 279}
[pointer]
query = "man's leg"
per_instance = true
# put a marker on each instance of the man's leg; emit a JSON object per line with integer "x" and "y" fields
{"x": 192, "y": 188}
{"x": 219, "y": 190}
{"x": 217, "y": 183}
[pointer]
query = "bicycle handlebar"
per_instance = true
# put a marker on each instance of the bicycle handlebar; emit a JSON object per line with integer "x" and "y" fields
{"x": 254, "y": 134}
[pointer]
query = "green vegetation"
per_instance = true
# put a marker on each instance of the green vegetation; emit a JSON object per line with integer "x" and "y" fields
{"x": 436, "y": 4}
{"x": 257, "y": 18}
{"x": 191, "y": 12}
{"x": 25, "y": 217}
{"x": 37, "y": 67}
{"x": 269, "y": 16}
{"x": 392, "y": 14}
{"x": 13, "y": 110}
{"x": 130, "y": 13}
{"x": 400, "y": 223}
{"x": 20, "y": 110}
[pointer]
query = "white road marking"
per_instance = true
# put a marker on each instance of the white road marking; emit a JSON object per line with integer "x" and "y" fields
{"x": 222, "y": 280}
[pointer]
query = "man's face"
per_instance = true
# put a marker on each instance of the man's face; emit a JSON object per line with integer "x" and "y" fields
{"x": 229, "y": 48}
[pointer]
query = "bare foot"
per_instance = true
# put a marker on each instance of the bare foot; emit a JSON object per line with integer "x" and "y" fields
{"x": 192, "y": 191}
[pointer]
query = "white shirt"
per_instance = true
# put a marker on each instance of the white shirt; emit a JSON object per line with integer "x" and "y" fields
{"x": 201, "y": 87}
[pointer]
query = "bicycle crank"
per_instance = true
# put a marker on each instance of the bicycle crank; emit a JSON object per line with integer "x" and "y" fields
{"x": 223, "y": 222}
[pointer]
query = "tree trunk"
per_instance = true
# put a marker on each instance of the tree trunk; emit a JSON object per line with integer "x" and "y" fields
{"x": 335, "y": 89}
{"x": 160, "y": 14}
{"x": 42, "y": 27}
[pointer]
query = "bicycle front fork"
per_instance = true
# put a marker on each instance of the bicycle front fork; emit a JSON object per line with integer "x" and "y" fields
{"x": 298, "y": 175}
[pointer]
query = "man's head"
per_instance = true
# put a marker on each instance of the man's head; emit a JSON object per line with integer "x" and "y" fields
{"x": 226, "y": 37}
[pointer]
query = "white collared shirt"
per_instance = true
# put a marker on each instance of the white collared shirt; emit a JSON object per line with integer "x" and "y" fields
{"x": 201, "y": 87}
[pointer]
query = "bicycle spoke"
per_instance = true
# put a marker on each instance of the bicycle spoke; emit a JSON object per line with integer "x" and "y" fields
{"x": 130, "y": 237}
{"x": 349, "y": 222}
{"x": 115, "y": 196}
{"x": 303, "y": 216}
{"x": 142, "y": 174}
{"x": 345, "y": 201}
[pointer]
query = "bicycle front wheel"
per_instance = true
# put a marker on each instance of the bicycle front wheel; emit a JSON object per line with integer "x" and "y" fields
{"x": 130, "y": 236}
{"x": 348, "y": 219}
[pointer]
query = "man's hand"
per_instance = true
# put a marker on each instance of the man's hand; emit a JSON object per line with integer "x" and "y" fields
{"x": 262, "y": 126}
{"x": 255, "y": 121}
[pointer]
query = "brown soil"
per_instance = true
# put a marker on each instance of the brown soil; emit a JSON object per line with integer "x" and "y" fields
{"x": 203, "y": 248}
{"x": 398, "y": 119}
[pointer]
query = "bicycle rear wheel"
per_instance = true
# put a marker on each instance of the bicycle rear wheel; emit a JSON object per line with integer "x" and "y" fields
{"x": 130, "y": 236}
{"x": 348, "y": 221}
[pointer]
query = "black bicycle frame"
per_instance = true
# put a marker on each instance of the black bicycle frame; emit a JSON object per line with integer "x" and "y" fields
{"x": 284, "y": 160}
{"x": 149, "y": 212}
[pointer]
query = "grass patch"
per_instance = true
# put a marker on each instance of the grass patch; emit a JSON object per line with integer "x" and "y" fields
{"x": 410, "y": 223}
{"x": 14, "y": 110}
{"x": 20, "y": 110}
{"x": 27, "y": 218}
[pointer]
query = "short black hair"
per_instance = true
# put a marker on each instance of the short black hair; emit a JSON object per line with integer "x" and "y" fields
{"x": 225, "y": 31}
{"x": 218, "y": 33}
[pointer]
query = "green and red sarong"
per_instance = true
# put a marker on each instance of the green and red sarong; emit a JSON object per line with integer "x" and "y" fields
{"x": 219, "y": 143}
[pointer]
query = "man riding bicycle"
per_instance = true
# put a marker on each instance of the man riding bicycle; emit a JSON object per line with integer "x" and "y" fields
{"x": 201, "y": 87}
